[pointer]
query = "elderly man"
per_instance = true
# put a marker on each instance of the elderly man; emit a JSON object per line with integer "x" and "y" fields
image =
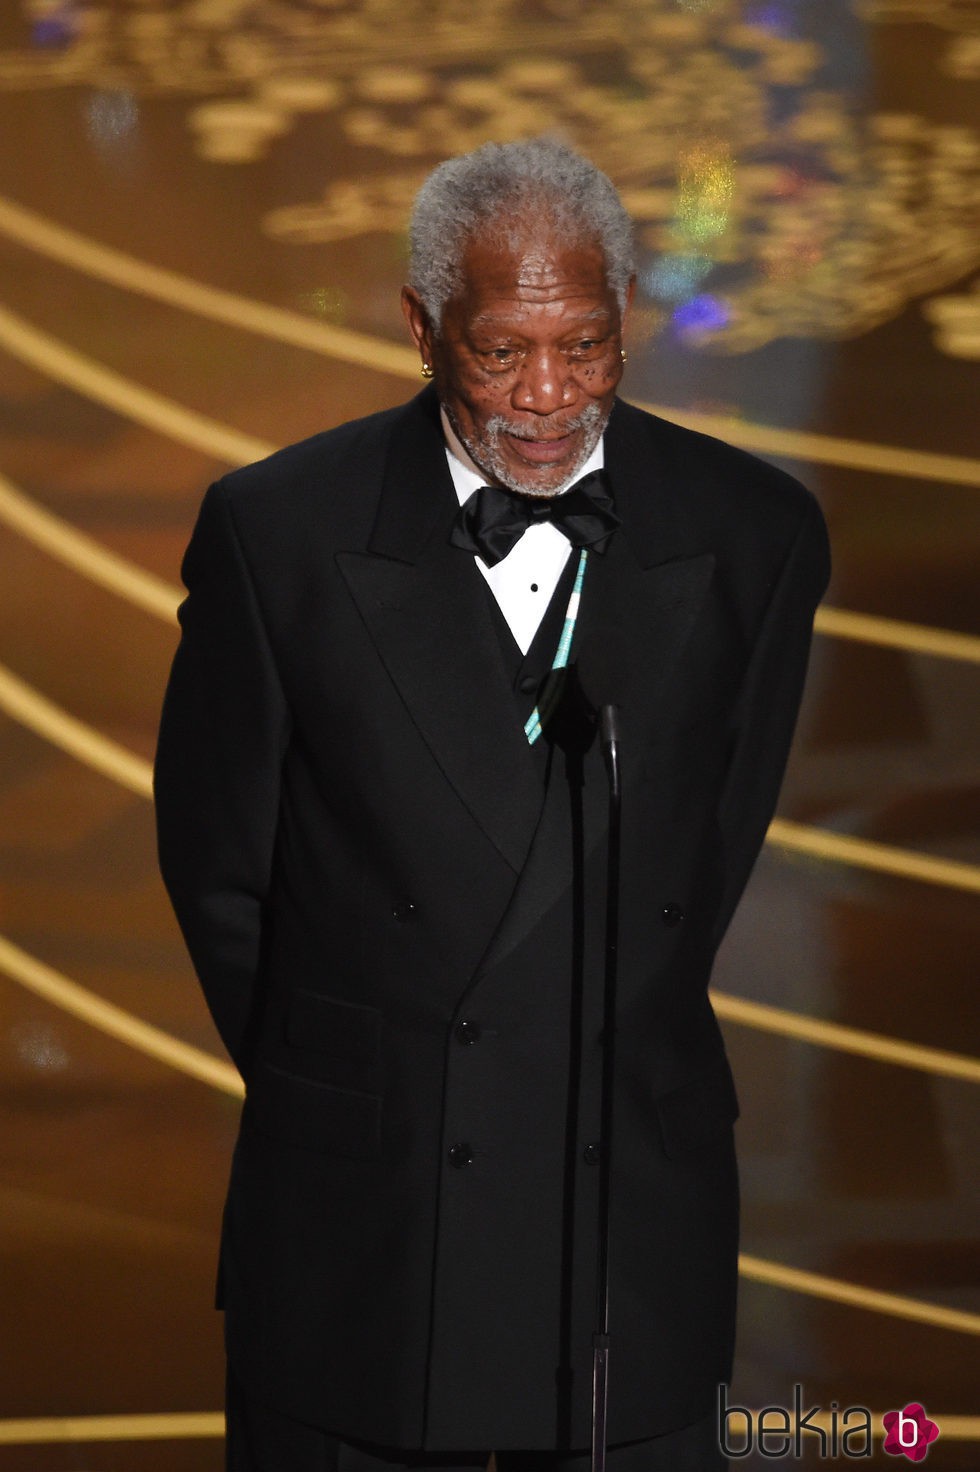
{"x": 386, "y": 849}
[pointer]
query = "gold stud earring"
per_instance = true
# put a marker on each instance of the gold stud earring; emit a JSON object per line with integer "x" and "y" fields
{"x": 623, "y": 355}
{"x": 427, "y": 370}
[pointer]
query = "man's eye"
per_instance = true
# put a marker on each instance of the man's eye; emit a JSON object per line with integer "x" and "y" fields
{"x": 502, "y": 355}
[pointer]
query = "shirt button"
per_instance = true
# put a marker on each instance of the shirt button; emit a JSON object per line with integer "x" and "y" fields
{"x": 672, "y": 914}
{"x": 591, "y": 1152}
{"x": 405, "y": 910}
{"x": 460, "y": 1155}
{"x": 468, "y": 1032}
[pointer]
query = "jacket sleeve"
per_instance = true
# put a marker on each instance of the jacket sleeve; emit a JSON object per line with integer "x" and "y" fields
{"x": 223, "y": 733}
{"x": 768, "y": 705}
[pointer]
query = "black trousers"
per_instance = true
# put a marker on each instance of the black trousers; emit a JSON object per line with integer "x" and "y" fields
{"x": 260, "y": 1439}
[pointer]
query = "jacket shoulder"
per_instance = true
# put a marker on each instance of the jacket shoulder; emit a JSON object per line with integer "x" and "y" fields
{"x": 708, "y": 464}
{"x": 713, "y": 494}
{"x": 312, "y": 461}
{"x": 322, "y": 490}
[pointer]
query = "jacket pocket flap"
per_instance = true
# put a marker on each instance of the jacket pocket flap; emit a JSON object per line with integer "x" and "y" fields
{"x": 343, "y": 1029}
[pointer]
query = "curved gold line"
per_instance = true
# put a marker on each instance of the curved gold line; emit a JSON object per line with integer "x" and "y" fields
{"x": 154, "y": 411}
{"x": 81, "y": 253}
{"x": 85, "y": 555}
{"x": 142, "y": 1036}
{"x": 207, "y": 1425}
{"x": 865, "y": 853}
{"x": 165, "y": 416}
{"x": 821, "y": 449}
{"x": 174, "y": 290}
{"x": 893, "y": 633}
{"x": 49, "y": 721}
{"x": 843, "y": 1039}
{"x": 59, "y": 991}
{"x": 171, "y": 1426}
{"x": 111, "y": 570}
{"x": 951, "y": 1428}
{"x": 817, "y": 1285}
{"x": 31, "y": 709}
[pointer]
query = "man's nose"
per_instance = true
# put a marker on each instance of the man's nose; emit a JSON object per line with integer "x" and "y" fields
{"x": 543, "y": 383}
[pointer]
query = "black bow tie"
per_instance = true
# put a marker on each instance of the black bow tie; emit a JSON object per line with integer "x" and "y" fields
{"x": 492, "y": 521}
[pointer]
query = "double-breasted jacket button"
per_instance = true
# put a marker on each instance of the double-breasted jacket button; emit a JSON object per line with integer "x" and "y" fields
{"x": 468, "y": 1032}
{"x": 460, "y": 1155}
{"x": 672, "y": 914}
{"x": 591, "y": 1152}
{"x": 404, "y": 911}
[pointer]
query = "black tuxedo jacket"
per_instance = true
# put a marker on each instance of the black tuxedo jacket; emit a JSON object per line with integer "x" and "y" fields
{"x": 398, "y": 926}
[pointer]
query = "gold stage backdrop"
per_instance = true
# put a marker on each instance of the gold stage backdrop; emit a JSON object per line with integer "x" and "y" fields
{"x": 202, "y": 213}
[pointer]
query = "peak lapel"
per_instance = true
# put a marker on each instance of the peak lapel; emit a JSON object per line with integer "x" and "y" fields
{"x": 425, "y": 606}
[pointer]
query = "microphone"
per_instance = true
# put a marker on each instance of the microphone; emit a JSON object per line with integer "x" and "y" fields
{"x": 602, "y": 674}
{"x": 609, "y": 736}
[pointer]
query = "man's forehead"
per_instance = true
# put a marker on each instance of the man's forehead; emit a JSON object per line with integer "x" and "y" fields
{"x": 538, "y": 265}
{"x": 570, "y": 313}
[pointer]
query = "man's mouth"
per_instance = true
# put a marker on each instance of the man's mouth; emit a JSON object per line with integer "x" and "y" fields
{"x": 543, "y": 452}
{"x": 532, "y": 458}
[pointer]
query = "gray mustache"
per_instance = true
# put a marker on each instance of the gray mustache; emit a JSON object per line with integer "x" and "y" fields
{"x": 587, "y": 419}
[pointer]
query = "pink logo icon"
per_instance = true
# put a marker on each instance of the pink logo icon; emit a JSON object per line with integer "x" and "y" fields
{"x": 909, "y": 1432}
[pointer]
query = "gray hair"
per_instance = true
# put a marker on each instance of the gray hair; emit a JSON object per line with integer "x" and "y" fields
{"x": 495, "y": 190}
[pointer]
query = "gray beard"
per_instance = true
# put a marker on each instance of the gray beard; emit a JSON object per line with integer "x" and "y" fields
{"x": 487, "y": 454}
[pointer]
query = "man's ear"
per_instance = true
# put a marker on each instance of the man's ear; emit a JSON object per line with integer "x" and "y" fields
{"x": 418, "y": 322}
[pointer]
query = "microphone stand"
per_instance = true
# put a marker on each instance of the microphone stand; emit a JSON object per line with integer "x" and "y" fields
{"x": 609, "y": 741}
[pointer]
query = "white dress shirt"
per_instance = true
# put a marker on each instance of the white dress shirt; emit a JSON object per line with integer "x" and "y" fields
{"x": 524, "y": 581}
